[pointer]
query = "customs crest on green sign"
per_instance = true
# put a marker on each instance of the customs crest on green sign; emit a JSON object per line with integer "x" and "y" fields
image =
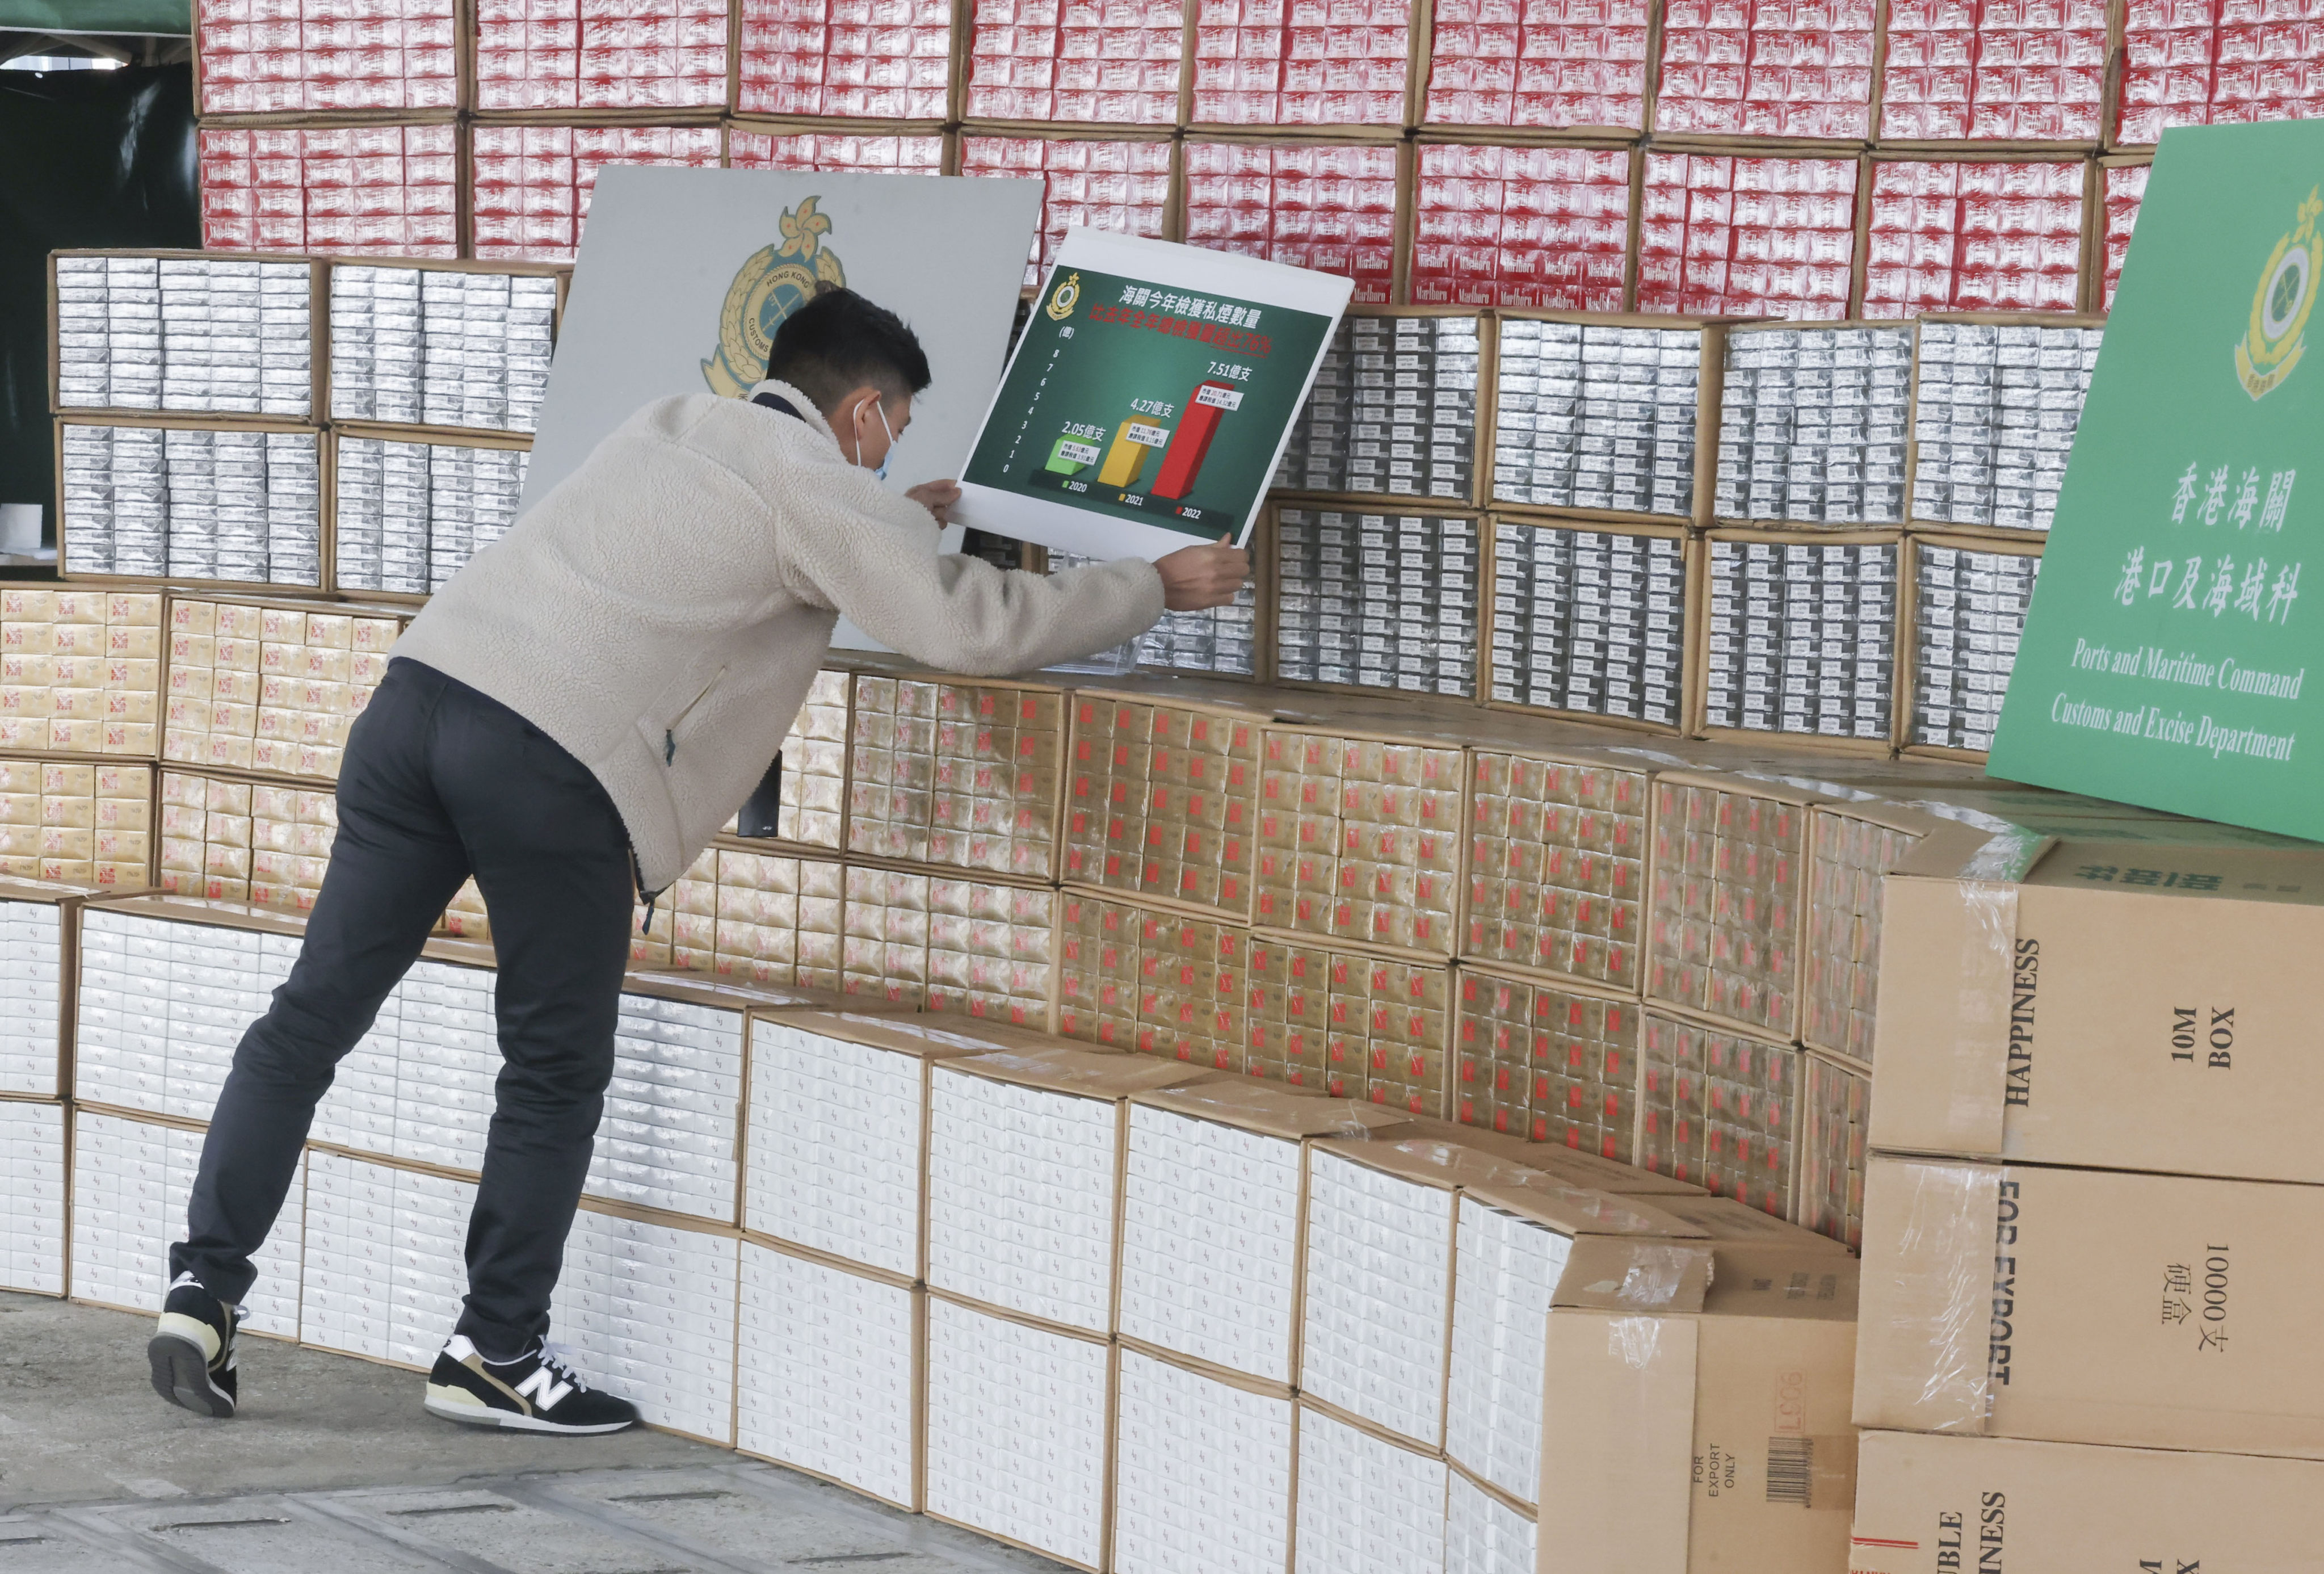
{"x": 2165, "y": 658}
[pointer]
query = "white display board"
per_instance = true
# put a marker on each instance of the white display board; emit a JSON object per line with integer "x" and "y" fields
{"x": 682, "y": 273}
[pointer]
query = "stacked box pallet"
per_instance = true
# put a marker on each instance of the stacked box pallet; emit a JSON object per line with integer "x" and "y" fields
{"x": 2131, "y": 1163}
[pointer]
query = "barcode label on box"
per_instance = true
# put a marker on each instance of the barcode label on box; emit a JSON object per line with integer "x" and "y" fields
{"x": 1791, "y": 1467}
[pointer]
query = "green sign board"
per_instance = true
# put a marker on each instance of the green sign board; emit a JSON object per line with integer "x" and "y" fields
{"x": 2166, "y": 656}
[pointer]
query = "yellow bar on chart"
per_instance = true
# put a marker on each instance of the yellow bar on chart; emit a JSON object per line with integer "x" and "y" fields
{"x": 1125, "y": 458}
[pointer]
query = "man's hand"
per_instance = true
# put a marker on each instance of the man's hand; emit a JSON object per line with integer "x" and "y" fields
{"x": 938, "y": 497}
{"x": 1195, "y": 579}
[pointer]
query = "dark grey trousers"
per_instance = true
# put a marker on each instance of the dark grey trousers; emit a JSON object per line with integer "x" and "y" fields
{"x": 440, "y": 782}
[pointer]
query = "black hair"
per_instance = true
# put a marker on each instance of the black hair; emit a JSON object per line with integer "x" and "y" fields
{"x": 838, "y": 342}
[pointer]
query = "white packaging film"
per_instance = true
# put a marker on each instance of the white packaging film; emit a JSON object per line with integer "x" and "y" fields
{"x": 130, "y": 1183}
{"x": 30, "y": 1031}
{"x": 162, "y": 1005}
{"x": 1505, "y": 1271}
{"x": 835, "y": 1147}
{"x": 1201, "y": 1474}
{"x": 1484, "y": 1535}
{"x": 448, "y": 347}
{"x": 33, "y": 1226}
{"x": 243, "y": 506}
{"x": 1210, "y": 1237}
{"x": 205, "y": 334}
{"x": 1016, "y": 1432}
{"x": 826, "y": 1366}
{"x": 1020, "y": 1198}
{"x": 410, "y": 514}
{"x": 1365, "y": 1504}
{"x": 385, "y": 1267}
{"x": 1379, "y": 1255}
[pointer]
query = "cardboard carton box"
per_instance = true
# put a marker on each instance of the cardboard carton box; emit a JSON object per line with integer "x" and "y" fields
{"x": 2107, "y": 1003}
{"x": 1703, "y": 1403}
{"x": 2091, "y": 1306}
{"x": 1929, "y": 1505}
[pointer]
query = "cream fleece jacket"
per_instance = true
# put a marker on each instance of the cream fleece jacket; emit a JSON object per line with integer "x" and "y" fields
{"x": 661, "y": 612}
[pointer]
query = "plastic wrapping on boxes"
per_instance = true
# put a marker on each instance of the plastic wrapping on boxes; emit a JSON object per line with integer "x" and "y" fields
{"x": 1590, "y": 621}
{"x": 1379, "y": 1263}
{"x": 1963, "y": 237}
{"x": 1998, "y": 409}
{"x": 1201, "y": 1473}
{"x": 1393, "y": 408}
{"x": 230, "y": 336}
{"x": 1537, "y": 65}
{"x": 1597, "y": 415}
{"x": 240, "y": 506}
{"x": 326, "y": 56}
{"x": 1376, "y": 601}
{"x": 1309, "y": 206}
{"x": 828, "y": 1373}
{"x": 383, "y": 1270}
{"x": 600, "y": 54}
{"x": 834, "y": 151}
{"x": 1802, "y": 638}
{"x": 1760, "y": 237}
{"x": 162, "y": 1005}
{"x": 1998, "y": 73}
{"x": 1521, "y": 226}
{"x": 389, "y": 191}
{"x": 1016, "y": 1432}
{"x": 1813, "y": 426}
{"x": 888, "y": 59}
{"x": 1505, "y": 1271}
{"x": 1779, "y": 71}
{"x": 1161, "y": 801}
{"x": 1365, "y": 1503}
{"x": 130, "y": 1182}
{"x": 1969, "y": 611}
{"x": 32, "y": 1231}
{"x": 1119, "y": 185}
{"x": 2204, "y": 63}
{"x": 650, "y": 1313}
{"x": 271, "y": 688}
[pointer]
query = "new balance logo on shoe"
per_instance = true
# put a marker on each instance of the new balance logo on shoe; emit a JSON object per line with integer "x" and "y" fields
{"x": 538, "y": 1391}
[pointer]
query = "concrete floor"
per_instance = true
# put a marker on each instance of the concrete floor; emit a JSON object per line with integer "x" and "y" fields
{"x": 332, "y": 1464}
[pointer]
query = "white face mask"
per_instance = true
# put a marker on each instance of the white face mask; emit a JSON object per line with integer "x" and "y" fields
{"x": 880, "y": 470}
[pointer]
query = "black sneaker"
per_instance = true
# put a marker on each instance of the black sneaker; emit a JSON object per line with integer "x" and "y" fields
{"x": 192, "y": 1351}
{"x": 539, "y": 1391}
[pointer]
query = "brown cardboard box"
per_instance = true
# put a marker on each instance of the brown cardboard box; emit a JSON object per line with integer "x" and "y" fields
{"x": 1726, "y": 1220}
{"x": 2094, "y": 1002}
{"x": 2092, "y": 1306}
{"x": 1702, "y": 1415}
{"x": 1930, "y": 1505}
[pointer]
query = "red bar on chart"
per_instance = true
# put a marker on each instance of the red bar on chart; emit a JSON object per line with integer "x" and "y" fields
{"x": 1190, "y": 443}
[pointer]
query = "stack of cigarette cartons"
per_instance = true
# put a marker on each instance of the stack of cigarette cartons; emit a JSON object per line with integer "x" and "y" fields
{"x": 834, "y": 1249}
{"x": 1377, "y": 600}
{"x": 1360, "y": 839}
{"x": 1802, "y": 637}
{"x": 1590, "y": 621}
{"x": 1025, "y": 1151}
{"x": 1394, "y": 409}
{"x": 253, "y": 686}
{"x": 1162, "y": 983}
{"x": 1161, "y": 800}
{"x": 83, "y": 824}
{"x": 965, "y": 775}
{"x": 80, "y": 671}
{"x": 1557, "y": 844}
{"x": 1815, "y": 422}
{"x": 1214, "y": 1198}
{"x": 2085, "y": 1230}
{"x": 1598, "y": 416}
{"x": 35, "y": 1055}
{"x": 1969, "y": 606}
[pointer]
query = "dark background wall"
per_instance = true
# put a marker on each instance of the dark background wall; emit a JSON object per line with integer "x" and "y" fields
{"x": 87, "y": 158}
